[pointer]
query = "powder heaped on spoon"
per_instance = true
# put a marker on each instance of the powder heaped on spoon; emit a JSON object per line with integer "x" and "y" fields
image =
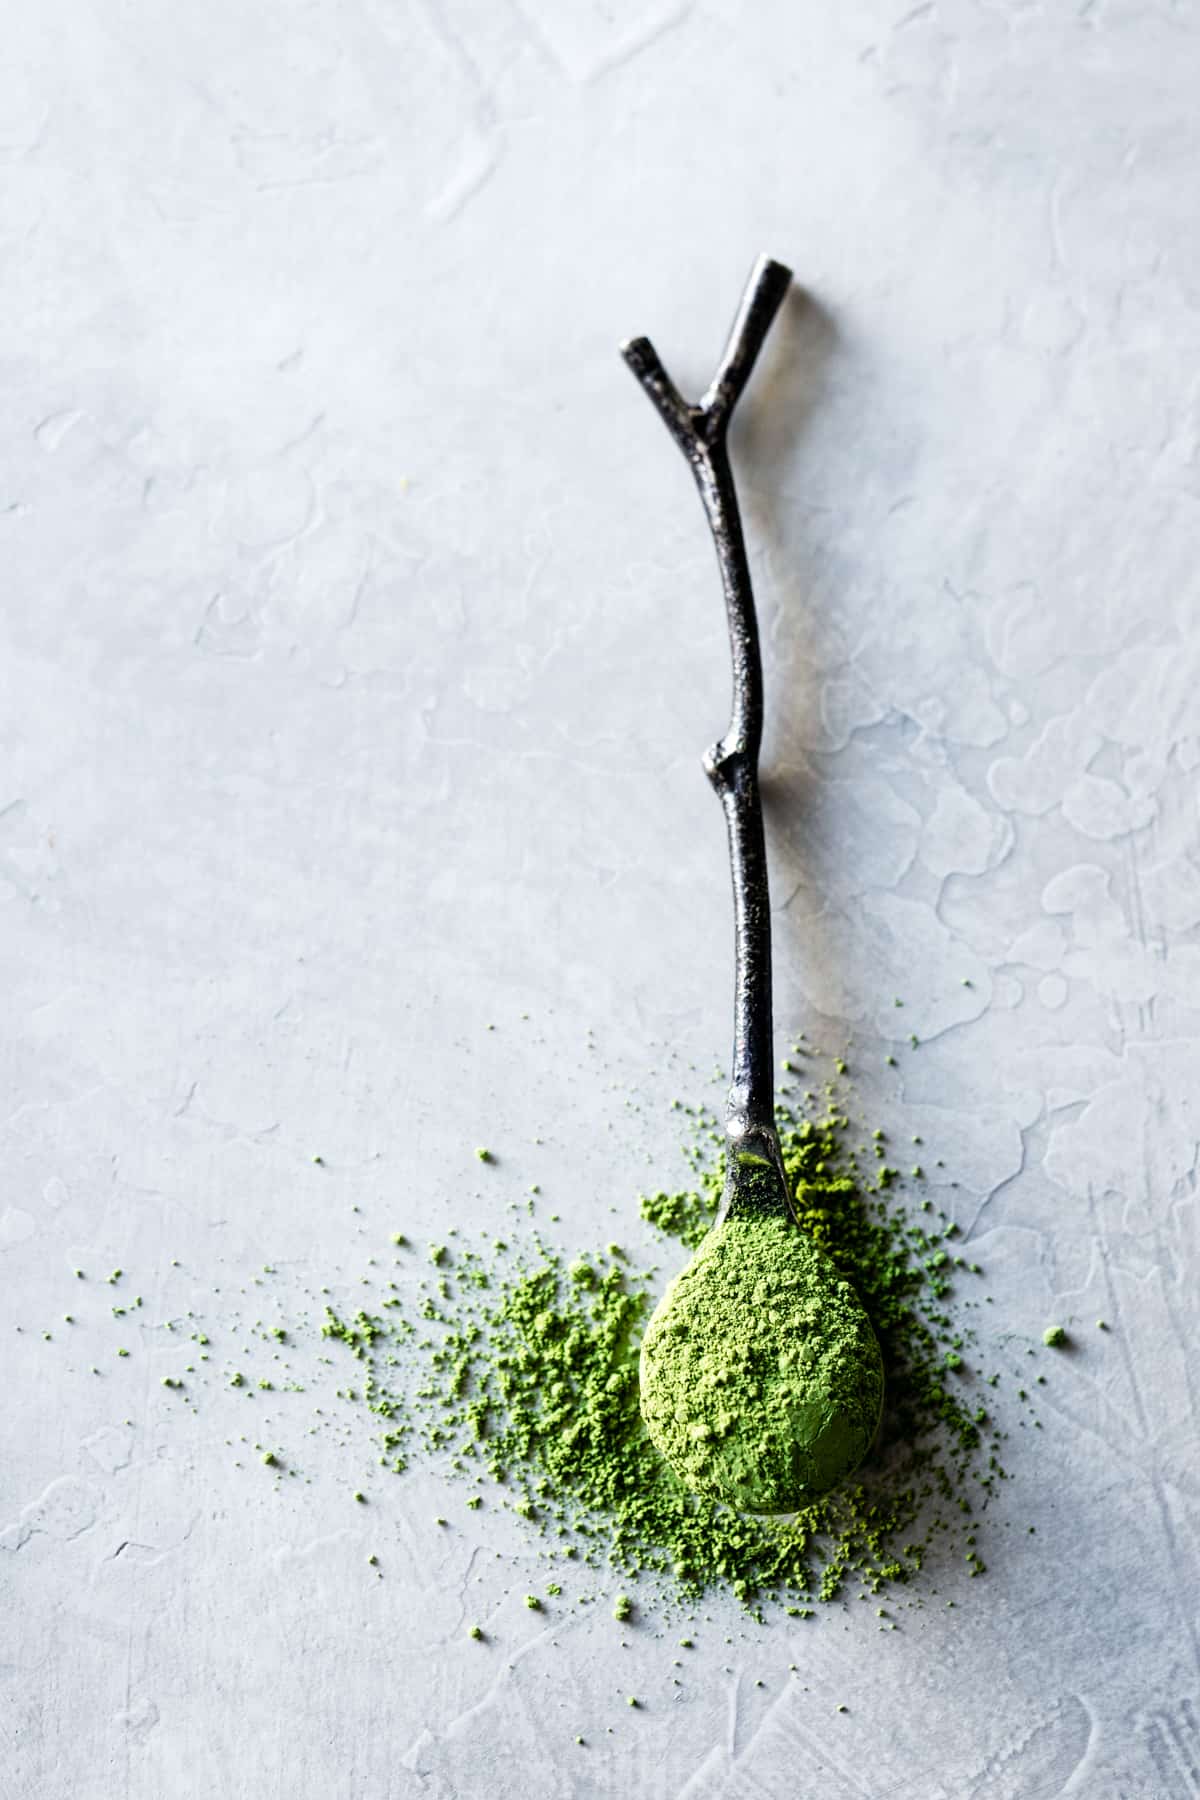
{"x": 761, "y": 1377}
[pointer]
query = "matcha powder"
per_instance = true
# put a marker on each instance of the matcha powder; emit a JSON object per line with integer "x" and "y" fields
{"x": 517, "y": 1370}
{"x": 512, "y": 1367}
{"x": 761, "y": 1378}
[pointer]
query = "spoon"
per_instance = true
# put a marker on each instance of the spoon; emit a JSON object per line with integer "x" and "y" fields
{"x": 761, "y": 1377}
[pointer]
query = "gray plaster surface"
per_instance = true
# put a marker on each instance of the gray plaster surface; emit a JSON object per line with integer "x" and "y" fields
{"x": 360, "y": 639}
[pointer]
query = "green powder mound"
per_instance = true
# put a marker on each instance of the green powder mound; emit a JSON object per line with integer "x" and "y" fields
{"x": 761, "y": 1378}
{"x": 515, "y": 1368}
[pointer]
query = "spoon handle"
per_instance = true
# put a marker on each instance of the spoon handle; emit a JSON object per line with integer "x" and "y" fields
{"x": 755, "y": 1181}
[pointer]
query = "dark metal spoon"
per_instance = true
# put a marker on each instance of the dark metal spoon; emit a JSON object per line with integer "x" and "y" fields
{"x": 785, "y": 1405}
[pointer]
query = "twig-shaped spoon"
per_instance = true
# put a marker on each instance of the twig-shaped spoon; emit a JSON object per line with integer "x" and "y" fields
{"x": 761, "y": 1376}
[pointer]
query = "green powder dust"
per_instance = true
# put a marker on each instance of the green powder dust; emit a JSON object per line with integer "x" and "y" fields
{"x": 761, "y": 1379}
{"x": 522, "y": 1366}
{"x": 511, "y": 1364}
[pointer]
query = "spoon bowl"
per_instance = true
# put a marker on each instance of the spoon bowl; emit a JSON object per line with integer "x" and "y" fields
{"x": 761, "y": 1377}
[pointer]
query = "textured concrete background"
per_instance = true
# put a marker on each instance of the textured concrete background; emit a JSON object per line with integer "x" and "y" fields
{"x": 360, "y": 641}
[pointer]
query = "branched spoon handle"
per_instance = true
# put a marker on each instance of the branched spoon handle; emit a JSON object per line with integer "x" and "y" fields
{"x": 755, "y": 1182}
